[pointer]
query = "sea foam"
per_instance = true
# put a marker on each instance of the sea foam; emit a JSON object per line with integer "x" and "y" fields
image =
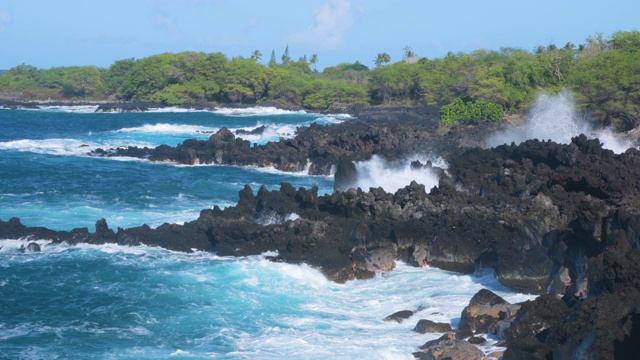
{"x": 80, "y": 109}
{"x": 210, "y": 306}
{"x": 168, "y": 129}
{"x": 63, "y": 147}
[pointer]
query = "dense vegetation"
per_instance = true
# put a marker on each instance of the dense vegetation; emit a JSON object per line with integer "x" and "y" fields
{"x": 603, "y": 73}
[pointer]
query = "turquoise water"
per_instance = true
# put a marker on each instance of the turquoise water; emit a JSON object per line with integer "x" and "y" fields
{"x": 113, "y": 302}
{"x": 47, "y": 179}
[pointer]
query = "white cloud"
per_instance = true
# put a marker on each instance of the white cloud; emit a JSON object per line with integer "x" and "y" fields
{"x": 332, "y": 21}
{"x": 5, "y": 19}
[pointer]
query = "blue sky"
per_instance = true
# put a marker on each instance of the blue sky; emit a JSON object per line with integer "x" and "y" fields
{"x": 47, "y": 33}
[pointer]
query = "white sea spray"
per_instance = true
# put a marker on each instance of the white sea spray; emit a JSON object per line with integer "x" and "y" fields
{"x": 377, "y": 172}
{"x": 555, "y": 118}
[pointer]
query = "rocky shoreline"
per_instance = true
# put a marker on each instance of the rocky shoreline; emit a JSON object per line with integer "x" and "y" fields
{"x": 562, "y": 221}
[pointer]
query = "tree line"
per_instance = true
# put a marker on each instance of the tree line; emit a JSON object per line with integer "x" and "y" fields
{"x": 604, "y": 73}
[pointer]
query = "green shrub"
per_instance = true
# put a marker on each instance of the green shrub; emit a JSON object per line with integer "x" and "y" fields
{"x": 470, "y": 111}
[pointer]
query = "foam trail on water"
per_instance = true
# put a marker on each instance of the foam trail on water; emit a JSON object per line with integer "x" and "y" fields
{"x": 168, "y": 129}
{"x": 257, "y": 111}
{"x": 82, "y": 109}
{"x": 377, "y": 172}
{"x": 63, "y": 147}
{"x": 554, "y": 117}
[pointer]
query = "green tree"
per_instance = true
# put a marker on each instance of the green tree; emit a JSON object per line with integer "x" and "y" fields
{"x": 286, "y": 59}
{"x": 394, "y": 83}
{"x": 382, "y": 59}
{"x": 245, "y": 81}
{"x": 148, "y": 76}
{"x": 272, "y": 61}
{"x": 289, "y": 87}
{"x": 608, "y": 81}
{"x": 407, "y": 52}
{"x": 82, "y": 81}
{"x": 336, "y": 95}
{"x": 256, "y": 55}
{"x": 314, "y": 61}
{"x": 118, "y": 74}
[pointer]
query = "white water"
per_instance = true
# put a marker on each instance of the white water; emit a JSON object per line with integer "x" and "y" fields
{"x": 377, "y": 172}
{"x": 168, "y": 129}
{"x": 554, "y": 117}
{"x": 256, "y": 111}
{"x": 241, "y": 112}
{"x": 84, "y": 109}
{"x": 261, "y": 309}
{"x": 64, "y": 147}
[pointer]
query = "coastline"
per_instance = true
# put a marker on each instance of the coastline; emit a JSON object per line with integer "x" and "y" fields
{"x": 536, "y": 213}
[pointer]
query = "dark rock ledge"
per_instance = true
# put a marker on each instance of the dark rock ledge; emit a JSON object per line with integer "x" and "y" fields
{"x": 557, "y": 220}
{"x": 390, "y": 133}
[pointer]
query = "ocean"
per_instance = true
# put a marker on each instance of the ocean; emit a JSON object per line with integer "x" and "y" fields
{"x": 115, "y": 302}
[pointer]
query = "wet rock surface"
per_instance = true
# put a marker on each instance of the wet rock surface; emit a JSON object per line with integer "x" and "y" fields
{"x": 552, "y": 219}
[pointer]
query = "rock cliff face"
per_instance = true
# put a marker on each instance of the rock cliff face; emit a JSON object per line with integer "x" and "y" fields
{"x": 558, "y": 220}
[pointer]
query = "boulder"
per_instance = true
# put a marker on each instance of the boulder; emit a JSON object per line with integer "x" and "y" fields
{"x": 452, "y": 350}
{"x": 427, "y": 326}
{"x": 379, "y": 259}
{"x": 399, "y": 316}
{"x": 485, "y": 309}
{"x": 32, "y": 248}
{"x": 450, "y": 335}
{"x": 476, "y": 340}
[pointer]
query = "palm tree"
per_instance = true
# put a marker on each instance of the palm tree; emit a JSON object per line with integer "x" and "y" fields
{"x": 256, "y": 55}
{"x": 408, "y": 53}
{"x": 382, "y": 58}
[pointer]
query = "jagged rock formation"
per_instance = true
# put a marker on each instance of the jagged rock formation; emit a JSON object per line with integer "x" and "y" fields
{"x": 321, "y": 149}
{"x": 554, "y": 219}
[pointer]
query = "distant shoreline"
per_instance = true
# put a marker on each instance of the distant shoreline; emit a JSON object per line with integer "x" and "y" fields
{"x": 133, "y": 105}
{"x": 371, "y": 113}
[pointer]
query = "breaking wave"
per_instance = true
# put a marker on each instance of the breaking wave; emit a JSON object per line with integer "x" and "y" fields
{"x": 392, "y": 176}
{"x": 62, "y": 147}
{"x": 554, "y": 117}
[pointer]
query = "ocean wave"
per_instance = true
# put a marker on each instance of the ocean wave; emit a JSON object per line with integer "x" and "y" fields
{"x": 164, "y": 128}
{"x": 271, "y": 132}
{"x": 63, "y": 147}
{"x": 257, "y": 111}
{"x": 250, "y": 304}
{"x": 175, "y": 109}
{"x": 273, "y": 170}
{"x": 81, "y": 109}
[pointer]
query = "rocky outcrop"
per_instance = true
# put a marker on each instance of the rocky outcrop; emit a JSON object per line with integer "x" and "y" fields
{"x": 539, "y": 214}
{"x": 320, "y": 150}
{"x": 553, "y": 219}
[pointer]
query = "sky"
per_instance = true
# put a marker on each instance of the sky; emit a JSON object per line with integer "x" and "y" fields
{"x": 52, "y": 33}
